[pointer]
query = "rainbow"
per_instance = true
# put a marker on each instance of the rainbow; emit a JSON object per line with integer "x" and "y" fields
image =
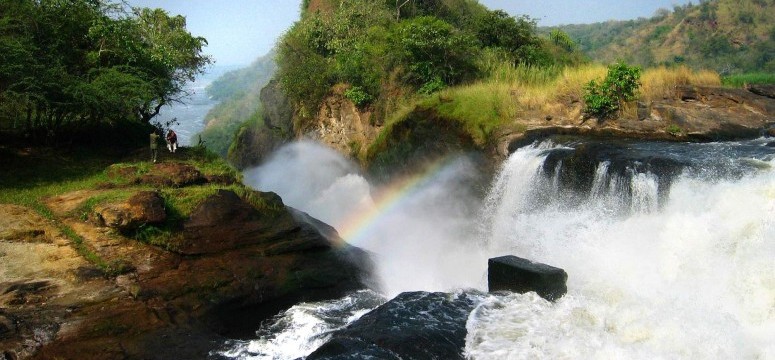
{"x": 359, "y": 226}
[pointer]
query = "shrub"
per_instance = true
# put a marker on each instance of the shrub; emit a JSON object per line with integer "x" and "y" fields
{"x": 357, "y": 95}
{"x": 620, "y": 85}
{"x": 674, "y": 130}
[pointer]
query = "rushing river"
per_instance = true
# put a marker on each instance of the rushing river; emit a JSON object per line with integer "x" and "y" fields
{"x": 669, "y": 248}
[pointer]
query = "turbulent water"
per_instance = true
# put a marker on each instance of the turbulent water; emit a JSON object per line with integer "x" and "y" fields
{"x": 669, "y": 248}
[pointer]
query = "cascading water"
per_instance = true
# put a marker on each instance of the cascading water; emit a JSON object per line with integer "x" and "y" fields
{"x": 692, "y": 277}
{"x": 669, "y": 250}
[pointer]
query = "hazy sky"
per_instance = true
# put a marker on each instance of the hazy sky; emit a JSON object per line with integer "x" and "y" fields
{"x": 239, "y": 31}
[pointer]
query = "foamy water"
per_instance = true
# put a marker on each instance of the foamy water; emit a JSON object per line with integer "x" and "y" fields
{"x": 692, "y": 280}
{"x": 657, "y": 270}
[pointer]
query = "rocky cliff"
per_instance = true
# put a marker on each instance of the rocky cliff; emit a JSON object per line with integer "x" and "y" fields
{"x": 115, "y": 272}
{"x": 338, "y": 123}
{"x": 690, "y": 113}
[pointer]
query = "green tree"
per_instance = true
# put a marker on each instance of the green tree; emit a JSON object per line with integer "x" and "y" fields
{"x": 435, "y": 52}
{"x": 78, "y": 63}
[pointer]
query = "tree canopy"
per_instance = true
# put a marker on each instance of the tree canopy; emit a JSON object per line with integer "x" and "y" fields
{"x": 71, "y": 64}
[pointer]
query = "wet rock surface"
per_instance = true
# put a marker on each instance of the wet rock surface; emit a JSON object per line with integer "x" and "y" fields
{"x": 413, "y": 325}
{"x": 511, "y": 273}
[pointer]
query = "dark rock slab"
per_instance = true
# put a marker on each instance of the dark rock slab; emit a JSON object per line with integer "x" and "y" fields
{"x": 520, "y": 275}
{"x": 414, "y": 325}
{"x": 763, "y": 90}
{"x": 224, "y": 221}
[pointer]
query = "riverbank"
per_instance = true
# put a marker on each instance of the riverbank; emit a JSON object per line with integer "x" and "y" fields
{"x": 116, "y": 257}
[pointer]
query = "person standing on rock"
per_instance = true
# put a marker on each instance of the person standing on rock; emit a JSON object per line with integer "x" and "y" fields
{"x": 172, "y": 141}
{"x": 154, "y": 145}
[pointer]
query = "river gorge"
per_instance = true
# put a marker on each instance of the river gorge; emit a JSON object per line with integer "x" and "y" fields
{"x": 668, "y": 248}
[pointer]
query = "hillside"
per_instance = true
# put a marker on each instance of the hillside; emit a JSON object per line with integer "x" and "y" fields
{"x": 395, "y": 87}
{"x": 238, "y": 93}
{"x": 728, "y": 36}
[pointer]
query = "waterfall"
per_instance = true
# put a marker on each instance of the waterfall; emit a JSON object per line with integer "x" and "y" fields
{"x": 691, "y": 278}
{"x": 669, "y": 249}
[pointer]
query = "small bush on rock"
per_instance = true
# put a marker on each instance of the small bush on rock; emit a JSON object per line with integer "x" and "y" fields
{"x": 620, "y": 85}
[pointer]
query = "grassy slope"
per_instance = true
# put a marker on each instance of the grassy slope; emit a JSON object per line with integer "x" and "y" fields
{"x": 514, "y": 96}
{"x": 31, "y": 175}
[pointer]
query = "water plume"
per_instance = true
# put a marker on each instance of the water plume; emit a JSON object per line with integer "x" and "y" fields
{"x": 418, "y": 228}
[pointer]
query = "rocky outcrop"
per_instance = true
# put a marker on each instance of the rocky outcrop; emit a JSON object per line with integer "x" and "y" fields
{"x": 693, "y": 114}
{"x": 91, "y": 290}
{"x": 413, "y": 325}
{"x": 252, "y": 144}
{"x": 142, "y": 208}
{"x": 763, "y": 90}
{"x": 340, "y": 125}
{"x": 164, "y": 174}
{"x": 422, "y": 138}
{"x": 511, "y": 273}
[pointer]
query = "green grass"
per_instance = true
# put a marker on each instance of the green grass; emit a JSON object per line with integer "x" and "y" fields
{"x": 741, "y": 80}
{"x": 478, "y": 110}
{"x": 30, "y": 176}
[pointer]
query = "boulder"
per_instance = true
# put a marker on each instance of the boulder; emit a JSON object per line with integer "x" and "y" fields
{"x": 520, "y": 275}
{"x": 144, "y": 207}
{"x": 413, "y": 325}
{"x": 224, "y": 221}
{"x": 173, "y": 174}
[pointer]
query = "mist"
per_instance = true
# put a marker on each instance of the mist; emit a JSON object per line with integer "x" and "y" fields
{"x": 423, "y": 238}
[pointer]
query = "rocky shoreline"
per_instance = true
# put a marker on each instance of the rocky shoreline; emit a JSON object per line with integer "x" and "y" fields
{"x": 76, "y": 283}
{"x": 698, "y": 114}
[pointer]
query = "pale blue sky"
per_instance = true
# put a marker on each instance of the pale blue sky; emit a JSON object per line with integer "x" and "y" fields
{"x": 239, "y": 31}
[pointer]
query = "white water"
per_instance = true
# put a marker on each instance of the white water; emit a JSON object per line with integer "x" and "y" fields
{"x": 690, "y": 278}
{"x": 420, "y": 242}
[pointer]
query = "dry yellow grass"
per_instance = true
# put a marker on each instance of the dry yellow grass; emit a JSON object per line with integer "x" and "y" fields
{"x": 659, "y": 83}
{"x": 514, "y": 92}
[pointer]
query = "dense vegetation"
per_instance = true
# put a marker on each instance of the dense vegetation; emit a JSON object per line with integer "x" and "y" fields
{"x": 728, "y": 36}
{"x": 70, "y": 66}
{"x": 385, "y": 49}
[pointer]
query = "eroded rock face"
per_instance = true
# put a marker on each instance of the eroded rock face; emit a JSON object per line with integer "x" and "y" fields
{"x": 763, "y": 90}
{"x": 341, "y": 125}
{"x": 254, "y": 144}
{"x": 694, "y": 113}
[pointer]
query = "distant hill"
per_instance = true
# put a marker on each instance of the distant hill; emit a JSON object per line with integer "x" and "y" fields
{"x": 729, "y": 36}
{"x": 238, "y": 92}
